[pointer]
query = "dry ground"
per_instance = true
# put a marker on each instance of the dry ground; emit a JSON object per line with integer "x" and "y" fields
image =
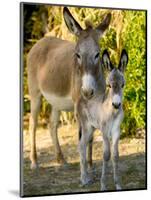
{"x": 51, "y": 178}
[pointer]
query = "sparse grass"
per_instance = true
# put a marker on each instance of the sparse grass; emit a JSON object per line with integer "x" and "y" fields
{"x": 51, "y": 178}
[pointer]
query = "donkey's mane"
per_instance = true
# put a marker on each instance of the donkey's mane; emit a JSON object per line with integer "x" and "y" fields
{"x": 88, "y": 25}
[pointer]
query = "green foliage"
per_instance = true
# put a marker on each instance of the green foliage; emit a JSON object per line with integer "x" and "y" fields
{"x": 127, "y": 30}
{"x": 135, "y": 90}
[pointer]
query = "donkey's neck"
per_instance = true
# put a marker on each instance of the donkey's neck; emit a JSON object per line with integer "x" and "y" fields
{"x": 101, "y": 82}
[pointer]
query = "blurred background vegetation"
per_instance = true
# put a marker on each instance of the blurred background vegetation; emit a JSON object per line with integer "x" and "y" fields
{"x": 127, "y": 30}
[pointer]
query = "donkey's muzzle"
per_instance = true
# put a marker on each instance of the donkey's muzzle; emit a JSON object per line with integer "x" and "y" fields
{"x": 116, "y": 105}
{"x": 87, "y": 94}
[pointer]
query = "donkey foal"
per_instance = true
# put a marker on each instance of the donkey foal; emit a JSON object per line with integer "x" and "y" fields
{"x": 105, "y": 114}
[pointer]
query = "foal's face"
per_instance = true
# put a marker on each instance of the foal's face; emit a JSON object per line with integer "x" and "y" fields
{"x": 115, "y": 79}
{"x": 87, "y": 52}
{"x": 116, "y": 83}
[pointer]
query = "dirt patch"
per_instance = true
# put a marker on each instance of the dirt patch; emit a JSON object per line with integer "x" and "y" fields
{"x": 51, "y": 178}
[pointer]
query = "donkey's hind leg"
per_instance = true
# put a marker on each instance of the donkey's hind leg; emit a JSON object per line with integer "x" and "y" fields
{"x": 35, "y": 107}
{"x": 54, "y": 120}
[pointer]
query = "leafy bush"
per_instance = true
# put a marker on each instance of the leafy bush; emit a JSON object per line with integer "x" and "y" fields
{"x": 127, "y": 30}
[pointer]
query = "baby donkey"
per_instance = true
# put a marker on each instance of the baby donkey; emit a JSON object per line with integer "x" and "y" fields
{"x": 104, "y": 113}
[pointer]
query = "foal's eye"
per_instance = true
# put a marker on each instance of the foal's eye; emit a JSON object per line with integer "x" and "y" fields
{"x": 109, "y": 86}
{"x": 97, "y": 55}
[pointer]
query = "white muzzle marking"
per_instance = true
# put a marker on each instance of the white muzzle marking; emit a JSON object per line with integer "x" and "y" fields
{"x": 88, "y": 82}
{"x": 116, "y": 99}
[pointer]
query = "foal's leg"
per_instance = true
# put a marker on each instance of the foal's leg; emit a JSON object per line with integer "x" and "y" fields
{"x": 90, "y": 152}
{"x": 35, "y": 106}
{"x": 115, "y": 158}
{"x": 54, "y": 120}
{"x": 106, "y": 158}
{"x": 86, "y": 134}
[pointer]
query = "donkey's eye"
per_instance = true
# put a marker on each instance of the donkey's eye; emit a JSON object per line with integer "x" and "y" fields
{"x": 97, "y": 55}
{"x": 122, "y": 85}
{"x": 109, "y": 85}
{"x": 78, "y": 55}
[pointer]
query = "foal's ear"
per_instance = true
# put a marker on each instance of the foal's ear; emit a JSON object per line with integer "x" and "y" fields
{"x": 71, "y": 23}
{"x": 106, "y": 60}
{"x": 104, "y": 24}
{"x": 123, "y": 61}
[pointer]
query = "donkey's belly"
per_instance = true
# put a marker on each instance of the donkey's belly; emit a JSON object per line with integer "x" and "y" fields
{"x": 60, "y": 103}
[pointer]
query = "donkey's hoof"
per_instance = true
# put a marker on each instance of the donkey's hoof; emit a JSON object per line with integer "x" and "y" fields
{"x": 34, "y": 166}
{"x": 103, "y": 188}
{"x": 92, "y": 169}
{"x": 61, "y": 161}
{"x": 65, "y": 165}
{"x": 118, "y": 187}
{"x": 86, "y": 181}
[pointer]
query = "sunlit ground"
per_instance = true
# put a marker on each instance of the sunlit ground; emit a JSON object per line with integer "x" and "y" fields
{"x": 51, "y": 178}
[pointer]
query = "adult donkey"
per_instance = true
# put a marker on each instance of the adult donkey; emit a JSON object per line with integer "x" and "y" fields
{"x": 61, "y": 71}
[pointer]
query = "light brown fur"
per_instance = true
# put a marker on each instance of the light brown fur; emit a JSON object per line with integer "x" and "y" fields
{"x": 54, "y": 73}
{"x": 46, "y": 69}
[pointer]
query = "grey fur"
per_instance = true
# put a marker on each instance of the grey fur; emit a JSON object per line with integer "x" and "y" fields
{"x": 100, "y": 113}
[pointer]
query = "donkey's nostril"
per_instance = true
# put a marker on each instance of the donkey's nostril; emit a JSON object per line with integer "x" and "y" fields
{"x": 91, "y": 93}
{"x": 116, "y": 105}
{"x": 88, "y": 93}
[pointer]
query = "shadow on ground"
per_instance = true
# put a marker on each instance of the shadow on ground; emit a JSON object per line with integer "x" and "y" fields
{"x": 51, "y": 179}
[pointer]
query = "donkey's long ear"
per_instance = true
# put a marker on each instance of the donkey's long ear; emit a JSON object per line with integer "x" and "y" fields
{"x": 71, "y": 23}
{"x": 106, "y": 60}
{"x": 104, "y": 24}
{"x": 123, "y": 61}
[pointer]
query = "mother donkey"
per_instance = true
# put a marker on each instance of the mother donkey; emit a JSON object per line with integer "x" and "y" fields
{"x": 61, "y": 71}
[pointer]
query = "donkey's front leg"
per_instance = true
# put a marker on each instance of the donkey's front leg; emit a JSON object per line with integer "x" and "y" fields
{"x": 90, "y": 144}
{"x": 86, "y": 134}
{"x": 115, "y": 158}
{"x": 106, "y": 157}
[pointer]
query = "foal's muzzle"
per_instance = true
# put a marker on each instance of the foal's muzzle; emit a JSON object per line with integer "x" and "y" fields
{"x": 116, "y": 105}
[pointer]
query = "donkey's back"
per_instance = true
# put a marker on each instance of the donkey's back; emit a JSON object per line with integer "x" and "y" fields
{"x": 49, "y": 62}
